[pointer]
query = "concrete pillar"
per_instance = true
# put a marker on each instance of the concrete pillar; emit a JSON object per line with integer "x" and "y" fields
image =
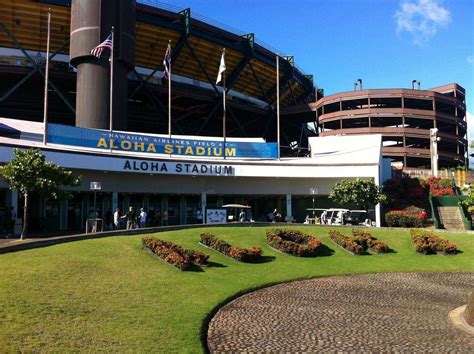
{"x": 114, "y": 201}
{"x": 203, "y": 207}
{"x": 164, "y": 208}
{"x": 289, "y": 212}
{"x": 12, "y": 200}
{"x": 182, "y": 210}
{"x": 63, "y": 206}
{"x": 91, "y": 24}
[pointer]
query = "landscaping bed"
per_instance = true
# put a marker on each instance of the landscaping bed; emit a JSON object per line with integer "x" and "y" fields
{"x": 293, "y": 242}
{"x": 427, "y": 242}
{"x": 240, "y": 254}
{"x": 359, "y": 242}
{"x": 180, "y": 257}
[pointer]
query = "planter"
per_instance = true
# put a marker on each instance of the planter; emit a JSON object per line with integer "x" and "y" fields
{"x": 244, "y": 255}
{"x": 147, "y": 250}
{"x": 342, "y": 248}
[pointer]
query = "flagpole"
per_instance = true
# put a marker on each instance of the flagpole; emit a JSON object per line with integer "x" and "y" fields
{"x": 46, "y": 81}
{"x": 278, "y": 101}
{"x": 223, "y": 105}
{"x": 169, "y": 92}
{"x": 111, "y": 98}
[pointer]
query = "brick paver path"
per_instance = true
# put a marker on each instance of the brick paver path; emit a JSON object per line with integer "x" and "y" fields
{"x": 401, "y": 312}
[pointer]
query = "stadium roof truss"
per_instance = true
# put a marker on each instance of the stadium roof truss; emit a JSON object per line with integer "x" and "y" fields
{"x": 196, "y": 48}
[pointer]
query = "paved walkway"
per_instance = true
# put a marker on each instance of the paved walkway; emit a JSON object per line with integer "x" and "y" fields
{"x": 396, "y": 312}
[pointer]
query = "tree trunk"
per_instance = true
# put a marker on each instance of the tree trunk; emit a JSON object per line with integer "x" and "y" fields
{"x": 25, "y": 217}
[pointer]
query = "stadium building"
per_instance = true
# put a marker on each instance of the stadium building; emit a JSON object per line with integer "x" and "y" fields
{"x": 404, "y": 118}
{"x": 178, "y": 175}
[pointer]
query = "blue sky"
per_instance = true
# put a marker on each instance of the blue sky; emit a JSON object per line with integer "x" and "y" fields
{"x": 386, "y": 43}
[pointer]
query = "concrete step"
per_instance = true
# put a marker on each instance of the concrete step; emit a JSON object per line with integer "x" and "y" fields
{"x": 451, "y": 218}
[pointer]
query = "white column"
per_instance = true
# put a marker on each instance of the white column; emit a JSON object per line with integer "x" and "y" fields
{"x": 378, "y": 221}
{"x": 203, "y": 207}
{"x": 289, "y": 212}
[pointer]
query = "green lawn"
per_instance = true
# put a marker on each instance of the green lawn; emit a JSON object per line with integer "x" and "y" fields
{"x": 107, "y": 294}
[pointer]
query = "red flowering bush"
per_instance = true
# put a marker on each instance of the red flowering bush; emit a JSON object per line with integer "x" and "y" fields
{"x": 241, "y": 254}
{"x": 411, "y": 216}
{"x": 439, "y": 187}
{"x": 378, "y": 246}
{"x": 178, "y": 256}
{"x": 429, "y": 243}
{"x": 346, "y": 242}
{"x": 293, "y": 242}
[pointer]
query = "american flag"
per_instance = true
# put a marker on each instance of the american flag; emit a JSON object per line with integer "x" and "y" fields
{"x": 97, "y": 51}
{"x": 167, "y": 63}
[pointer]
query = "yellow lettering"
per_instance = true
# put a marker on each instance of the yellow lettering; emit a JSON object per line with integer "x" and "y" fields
{"x": 102, "y": 143}
{"x": 112, "y": 145}
{"x": 168, "y": 149}
{"x": 151, "y": 147}
{"x": 140, "y": 146}
{"x": 125, "y": 144}
{"x": 229, "y": 152}
{"x": 200, "y": 151}
{"x": 216, "y": 153}
{"x": 189, "y": 151}
{"x": 179, "y": 147}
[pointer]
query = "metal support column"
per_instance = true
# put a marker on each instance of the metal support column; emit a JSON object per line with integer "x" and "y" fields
{"x": 203, "y": 207}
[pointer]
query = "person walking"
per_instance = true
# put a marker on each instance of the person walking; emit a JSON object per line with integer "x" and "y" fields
{"x": 143, "y": 216}
{"x": 242, "y": 215}
{"x": 131, "y": 218}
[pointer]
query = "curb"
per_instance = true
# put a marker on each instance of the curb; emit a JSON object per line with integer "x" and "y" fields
{"x": 457, "y": 318}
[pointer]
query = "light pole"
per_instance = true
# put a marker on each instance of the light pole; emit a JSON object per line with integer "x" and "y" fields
{"x": 95, "y": 186}
{"x": 413, "y": 82}
{"x": 434, "y": 151}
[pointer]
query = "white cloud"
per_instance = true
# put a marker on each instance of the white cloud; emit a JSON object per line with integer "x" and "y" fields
{"x": 470, "y": 59}
{"x": 422, "y": 19}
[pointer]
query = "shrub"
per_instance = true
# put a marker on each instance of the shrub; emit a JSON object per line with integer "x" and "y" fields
{"x": 428, "y": 242}
{"x": 402, "y": 193}
{"x": 346, "y": 242}
{"x": 404, "y": 218}
{"x": 178, "y": 256}
{"x": 439, "y": 187}
{"x": 240, "y": 254}
{"x": 293, "y": 242}
{"x": 362, "y": 238}
{"x": 378, "y": 246}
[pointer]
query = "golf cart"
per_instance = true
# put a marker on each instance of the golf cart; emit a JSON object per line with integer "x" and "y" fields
{"x": 234, "y": 211}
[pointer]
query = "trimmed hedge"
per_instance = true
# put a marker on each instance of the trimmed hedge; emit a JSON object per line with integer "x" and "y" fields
{"x": 293, "y": 242}
{"x": 427, "y": 242}
{"x": 173, "y": 254}
{"x": 240, "y": 254}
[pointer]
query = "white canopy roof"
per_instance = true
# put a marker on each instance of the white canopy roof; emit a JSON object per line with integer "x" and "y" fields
{"x": 346, "y": 149}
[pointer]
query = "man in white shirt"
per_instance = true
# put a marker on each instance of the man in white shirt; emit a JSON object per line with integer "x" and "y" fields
{"x": 143, "y": 216}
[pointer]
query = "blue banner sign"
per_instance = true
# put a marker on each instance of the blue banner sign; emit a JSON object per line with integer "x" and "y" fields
{"x": 140, "y": 143}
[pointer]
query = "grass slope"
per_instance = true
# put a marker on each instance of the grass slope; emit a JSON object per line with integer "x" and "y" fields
{"x": 107, "y": 294}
